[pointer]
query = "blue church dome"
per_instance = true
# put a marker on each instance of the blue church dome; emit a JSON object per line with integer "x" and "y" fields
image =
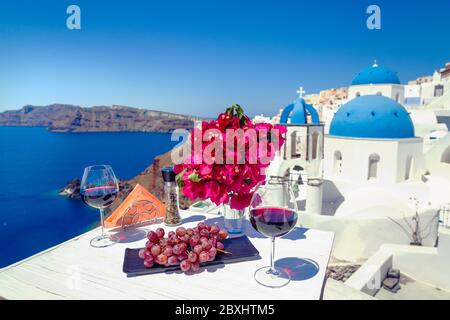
{"x": 297, "y": 113}
{"x": 376, "y": 75}
{"x": 372, "y": 116}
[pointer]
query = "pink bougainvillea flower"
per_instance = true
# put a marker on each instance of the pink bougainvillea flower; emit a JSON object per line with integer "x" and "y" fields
{"x": 233, "y": 181}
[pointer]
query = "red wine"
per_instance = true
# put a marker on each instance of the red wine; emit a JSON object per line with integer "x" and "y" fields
{"x": 273, "y": 222}
{"x": 100, "y": 197}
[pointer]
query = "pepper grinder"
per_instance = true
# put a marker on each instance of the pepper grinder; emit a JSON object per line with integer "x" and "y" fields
{"x": 171, "y": 200}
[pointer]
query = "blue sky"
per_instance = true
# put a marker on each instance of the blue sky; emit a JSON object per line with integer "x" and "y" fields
{"x": 198, "y": 57}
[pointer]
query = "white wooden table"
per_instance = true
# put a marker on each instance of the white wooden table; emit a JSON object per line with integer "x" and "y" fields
{"x": 75, "y": 270}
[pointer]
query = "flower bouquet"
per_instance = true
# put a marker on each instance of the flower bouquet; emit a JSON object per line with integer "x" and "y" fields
{"x": 227, "y": 158}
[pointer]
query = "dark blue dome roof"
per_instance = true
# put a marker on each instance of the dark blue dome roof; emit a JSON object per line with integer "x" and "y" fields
{"x": 297, "y": 113}
{"x": 376, "y": 75}
{"x": 372, "y": 116}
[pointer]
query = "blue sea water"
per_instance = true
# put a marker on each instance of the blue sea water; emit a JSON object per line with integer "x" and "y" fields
{"x": 35, "y": 164}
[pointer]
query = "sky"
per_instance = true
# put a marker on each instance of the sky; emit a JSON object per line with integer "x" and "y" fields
{"x": 198, "y": 57}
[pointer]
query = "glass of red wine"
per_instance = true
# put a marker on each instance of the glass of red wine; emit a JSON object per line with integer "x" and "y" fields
{"x": 273, "y": 213}
{"x": 99, "y": 188}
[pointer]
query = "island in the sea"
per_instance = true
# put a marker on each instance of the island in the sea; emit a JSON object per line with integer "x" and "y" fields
{"x": 70, "y": 118}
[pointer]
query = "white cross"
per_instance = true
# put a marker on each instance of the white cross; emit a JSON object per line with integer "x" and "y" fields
{"x": 301, "y": 92}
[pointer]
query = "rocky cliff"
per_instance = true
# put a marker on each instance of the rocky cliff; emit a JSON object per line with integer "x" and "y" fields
{"x": 69, "y": 118}
{"x": 150, "y": 179}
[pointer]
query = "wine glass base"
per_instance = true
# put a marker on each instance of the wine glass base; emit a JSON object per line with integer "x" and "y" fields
{"x": 103, "y": 241}
{"x": 272, "y": 278}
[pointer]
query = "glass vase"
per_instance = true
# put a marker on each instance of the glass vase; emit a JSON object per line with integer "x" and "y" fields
{"x": 234, "y": 220}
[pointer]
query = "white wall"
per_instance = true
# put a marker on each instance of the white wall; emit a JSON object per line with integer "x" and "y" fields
{"x": 393, "y": 91}
{"x": 355, "y": 159}
{"x": 424, "y": 264}
{"x": 356, "y": 239}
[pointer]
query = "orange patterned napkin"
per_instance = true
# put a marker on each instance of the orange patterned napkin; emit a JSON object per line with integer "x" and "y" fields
{"x": 138, "y": 207}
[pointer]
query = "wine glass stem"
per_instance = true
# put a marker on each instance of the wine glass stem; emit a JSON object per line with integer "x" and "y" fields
{"x": 102, "y": 221}
{"x": 272, "y": 255}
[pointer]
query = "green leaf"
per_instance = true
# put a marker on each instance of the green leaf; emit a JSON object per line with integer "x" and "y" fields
{"x": 179, "y": 179}
{"x": 194, "y": 177}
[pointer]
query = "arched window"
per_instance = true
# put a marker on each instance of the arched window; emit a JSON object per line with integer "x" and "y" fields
{"x": 315, "y": 145}
{"x": 373, "y": 166}
{"x": 379, "y": 93}
{"x": 397, "y": 97}
{"x": 409, "y": 167}
{"x": 358, "y": 94}
{"x": 337, "y": 164}
{"x": 439, "y": 90}
{"x": 445, "y": 158}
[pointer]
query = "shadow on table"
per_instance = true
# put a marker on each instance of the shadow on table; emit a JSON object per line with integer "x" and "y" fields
{"x": 194, "y": 218}
{"x": 212, "y": 268}
{"x": 129, "y": 235}
{"x": 299, "y": 269}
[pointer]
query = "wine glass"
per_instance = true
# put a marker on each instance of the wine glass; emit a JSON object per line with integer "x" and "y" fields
{"x": 273, "y": 213}
{"x": 98, "y": 189}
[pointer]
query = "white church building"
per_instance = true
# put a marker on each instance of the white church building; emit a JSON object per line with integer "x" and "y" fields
{"x": 377, "y": 80}
{"x": 383, "y": 182}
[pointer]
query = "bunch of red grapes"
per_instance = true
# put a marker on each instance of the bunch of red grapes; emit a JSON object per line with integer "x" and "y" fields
{"x": 185, "y": 247}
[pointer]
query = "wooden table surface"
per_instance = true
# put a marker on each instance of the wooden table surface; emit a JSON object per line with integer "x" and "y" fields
{"x": 75, "y": 270}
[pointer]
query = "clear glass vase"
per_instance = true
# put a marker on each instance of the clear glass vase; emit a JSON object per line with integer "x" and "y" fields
{"x": 234, "y": 220}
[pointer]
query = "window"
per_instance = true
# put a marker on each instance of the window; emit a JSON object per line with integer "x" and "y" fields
{"x": 409, "y": 167}
{"x": 337, "y": 166}
{"x": 315, "y": 145}
{"x": 446, "y": 156}
{"x": 439, "y": 90}
{"x": 397, "y": 97}
{"x": 358, "y": 94}
{"x": 373, "y": 166}
{"x": 379, "y": 93}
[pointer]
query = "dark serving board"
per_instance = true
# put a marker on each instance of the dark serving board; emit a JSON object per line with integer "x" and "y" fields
{"x": 241, "y": 250}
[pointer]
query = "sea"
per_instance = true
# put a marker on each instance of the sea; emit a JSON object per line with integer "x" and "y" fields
{"x": 35, "y": 164}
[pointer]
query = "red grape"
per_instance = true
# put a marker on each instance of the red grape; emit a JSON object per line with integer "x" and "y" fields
{"x": 203, "y": 257}
{"x": 168, "y": 251}
{"x": 160, "y": 232}
{"x": 180, "y": 231}
{"x": 195, "y": 266}
{"x": 206, "y": 245}
{"x": 212, "y": 252}
{"x": 201, "y": 226}
{"x": 197, "y": 249}
{"x": 223, "y": 234}
{"x": 188, "y": 247}
{"x": 152, "y": 237}
{"x": 214, "y": 229}
{"x": 173, "y": 260}
{"x": 195, "y": 239}
{"x": 161, "y": 259}
{"x": 185, "y": 238}
{"x": 182, "y": 256}
{"x": 156, "y": 249}
{"x": 185, "y": 265}
{"x": 149, "y": 258}
{"x": 192, "y": 256}
{"x": 147, "y": 254}
{"x": 183, "y": 246}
